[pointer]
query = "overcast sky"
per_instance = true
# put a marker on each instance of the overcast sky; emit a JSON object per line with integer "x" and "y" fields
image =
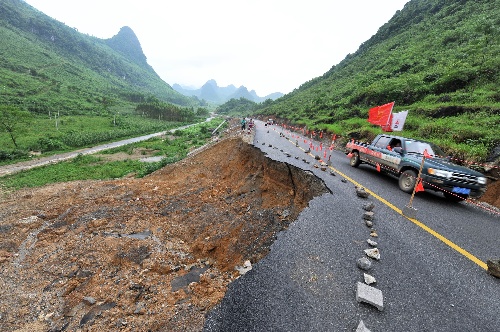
{"x": 266, "y": 45}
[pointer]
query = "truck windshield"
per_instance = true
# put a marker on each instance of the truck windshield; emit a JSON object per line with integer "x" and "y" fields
{"x": 420, "y": 147}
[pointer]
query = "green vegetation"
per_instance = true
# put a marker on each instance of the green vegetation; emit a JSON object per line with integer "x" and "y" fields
{"x": 48, "y": 66}
{"x": 237, "y": 107}
{"x": 61, "y": 90}
{"x": 86, "y": 167}
{"x": 11, "y": 121}
{"x": 56, "y": 133}
{"x": 437, "y": 59}
{"x": 80, "y": 168}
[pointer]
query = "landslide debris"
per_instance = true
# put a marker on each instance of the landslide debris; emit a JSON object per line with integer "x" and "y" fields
{"x": 143, "y": 254}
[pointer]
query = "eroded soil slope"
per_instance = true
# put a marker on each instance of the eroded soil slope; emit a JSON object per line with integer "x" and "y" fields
{"x": 127, "y": 254}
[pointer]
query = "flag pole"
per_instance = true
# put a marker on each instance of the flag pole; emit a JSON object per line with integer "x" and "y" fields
{"x": 388, "y": 125}
{"x": 389, "y": 119}
{"x": 409, "y": 211}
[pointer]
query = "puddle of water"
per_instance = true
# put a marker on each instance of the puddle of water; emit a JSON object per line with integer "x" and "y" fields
{"x": 151, "y": 159}
{"x": 138, "y": 236}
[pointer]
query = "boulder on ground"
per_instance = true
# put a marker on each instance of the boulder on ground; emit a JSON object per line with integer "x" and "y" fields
{"x": 493, "y": 267}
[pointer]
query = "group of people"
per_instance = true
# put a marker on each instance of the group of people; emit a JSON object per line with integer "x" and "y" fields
{"x": 244, "y": 124}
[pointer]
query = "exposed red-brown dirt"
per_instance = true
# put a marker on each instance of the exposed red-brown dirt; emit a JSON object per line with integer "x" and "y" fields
{"x": 127, "y": 254}
{"x": 492, "y": 194}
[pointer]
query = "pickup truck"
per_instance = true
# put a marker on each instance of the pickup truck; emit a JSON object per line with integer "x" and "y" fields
{"x": 402, "y": 157}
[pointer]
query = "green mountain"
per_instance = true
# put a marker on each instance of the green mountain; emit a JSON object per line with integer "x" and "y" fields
{"x": 46, "y": 65}
{"x": 439, "y": 59}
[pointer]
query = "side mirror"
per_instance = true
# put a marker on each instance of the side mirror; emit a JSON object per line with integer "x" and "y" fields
{"x": 398, "y": 149}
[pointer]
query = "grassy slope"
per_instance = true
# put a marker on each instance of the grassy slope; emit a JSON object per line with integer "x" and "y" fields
{"x": 438, "y": 59}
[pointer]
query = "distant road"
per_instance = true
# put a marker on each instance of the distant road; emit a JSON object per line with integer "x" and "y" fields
{"x": 25, "y": 165}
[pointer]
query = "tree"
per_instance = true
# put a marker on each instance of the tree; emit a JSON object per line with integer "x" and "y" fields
{"x": 202, "y": 112}
{"x": 12, "y": 119}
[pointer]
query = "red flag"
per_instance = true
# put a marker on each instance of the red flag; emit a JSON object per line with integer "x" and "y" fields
{"x": 378, "y": 167}
{"x": 381, "y": 115}
{"x": 426, "y": 154}
{"x": 420, "y": 186}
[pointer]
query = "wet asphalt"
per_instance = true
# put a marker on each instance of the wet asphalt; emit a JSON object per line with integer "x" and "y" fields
{"x": 308, "y": 280}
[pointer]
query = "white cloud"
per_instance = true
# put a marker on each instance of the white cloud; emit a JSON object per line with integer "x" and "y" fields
{"x": 267, "y": 46}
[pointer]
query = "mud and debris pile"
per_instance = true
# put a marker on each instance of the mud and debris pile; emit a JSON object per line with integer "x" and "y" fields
{"x": 143, "y": 254}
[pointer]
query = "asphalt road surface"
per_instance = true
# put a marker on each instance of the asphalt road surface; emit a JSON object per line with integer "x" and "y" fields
{"x": 432, "y": 270}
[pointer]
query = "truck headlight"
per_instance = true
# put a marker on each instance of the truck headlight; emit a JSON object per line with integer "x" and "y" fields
{"x": 481, "y": 180}
{"x": 439, "y": 172}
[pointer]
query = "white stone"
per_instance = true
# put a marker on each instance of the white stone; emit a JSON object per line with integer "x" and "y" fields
{"x": 372, "y": 243}
{"x": 373, "y": 253}
{"x": 247, "y": 266}
{"x": 362, "y": 327}
{"x": 369, "y": 279}
{"x": 370, "y": 295}
{"x": 29, "y": 220}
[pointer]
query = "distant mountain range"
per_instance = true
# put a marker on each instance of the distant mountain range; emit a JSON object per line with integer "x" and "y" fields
{"x": 211, "y": 92}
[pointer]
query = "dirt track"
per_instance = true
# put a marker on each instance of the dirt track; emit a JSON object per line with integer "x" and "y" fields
{"x": 127, "y": 254}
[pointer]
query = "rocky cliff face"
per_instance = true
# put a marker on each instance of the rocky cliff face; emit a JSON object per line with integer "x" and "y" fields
{"x": 127, "y": 43}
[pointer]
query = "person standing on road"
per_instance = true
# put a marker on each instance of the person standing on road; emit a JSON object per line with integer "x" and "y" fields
{"x": 243, "y": 124}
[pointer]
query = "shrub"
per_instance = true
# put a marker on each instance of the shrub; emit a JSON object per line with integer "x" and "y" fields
{"x": 467, "y": 135}
{"x": 432, "y": 130}
{"x": 12, "y": 155}
{"x": 45, "y": 144}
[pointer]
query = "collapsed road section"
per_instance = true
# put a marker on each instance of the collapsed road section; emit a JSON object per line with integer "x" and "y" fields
{"x": 143, "y": 254}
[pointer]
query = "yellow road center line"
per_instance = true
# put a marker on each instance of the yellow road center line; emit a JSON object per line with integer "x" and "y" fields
{"x": 415, "y": 221}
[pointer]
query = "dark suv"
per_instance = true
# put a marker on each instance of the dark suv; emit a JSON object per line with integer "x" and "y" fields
{"x": 403, "y": 156}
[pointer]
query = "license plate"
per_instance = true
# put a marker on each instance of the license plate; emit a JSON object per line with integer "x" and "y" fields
{"x": 459, "y": 190}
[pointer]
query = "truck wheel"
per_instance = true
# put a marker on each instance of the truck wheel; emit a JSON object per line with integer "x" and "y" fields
{"x": 454, "y": 197}
{"x": 407, "y": 181}
{"x": 355, "y": 161}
